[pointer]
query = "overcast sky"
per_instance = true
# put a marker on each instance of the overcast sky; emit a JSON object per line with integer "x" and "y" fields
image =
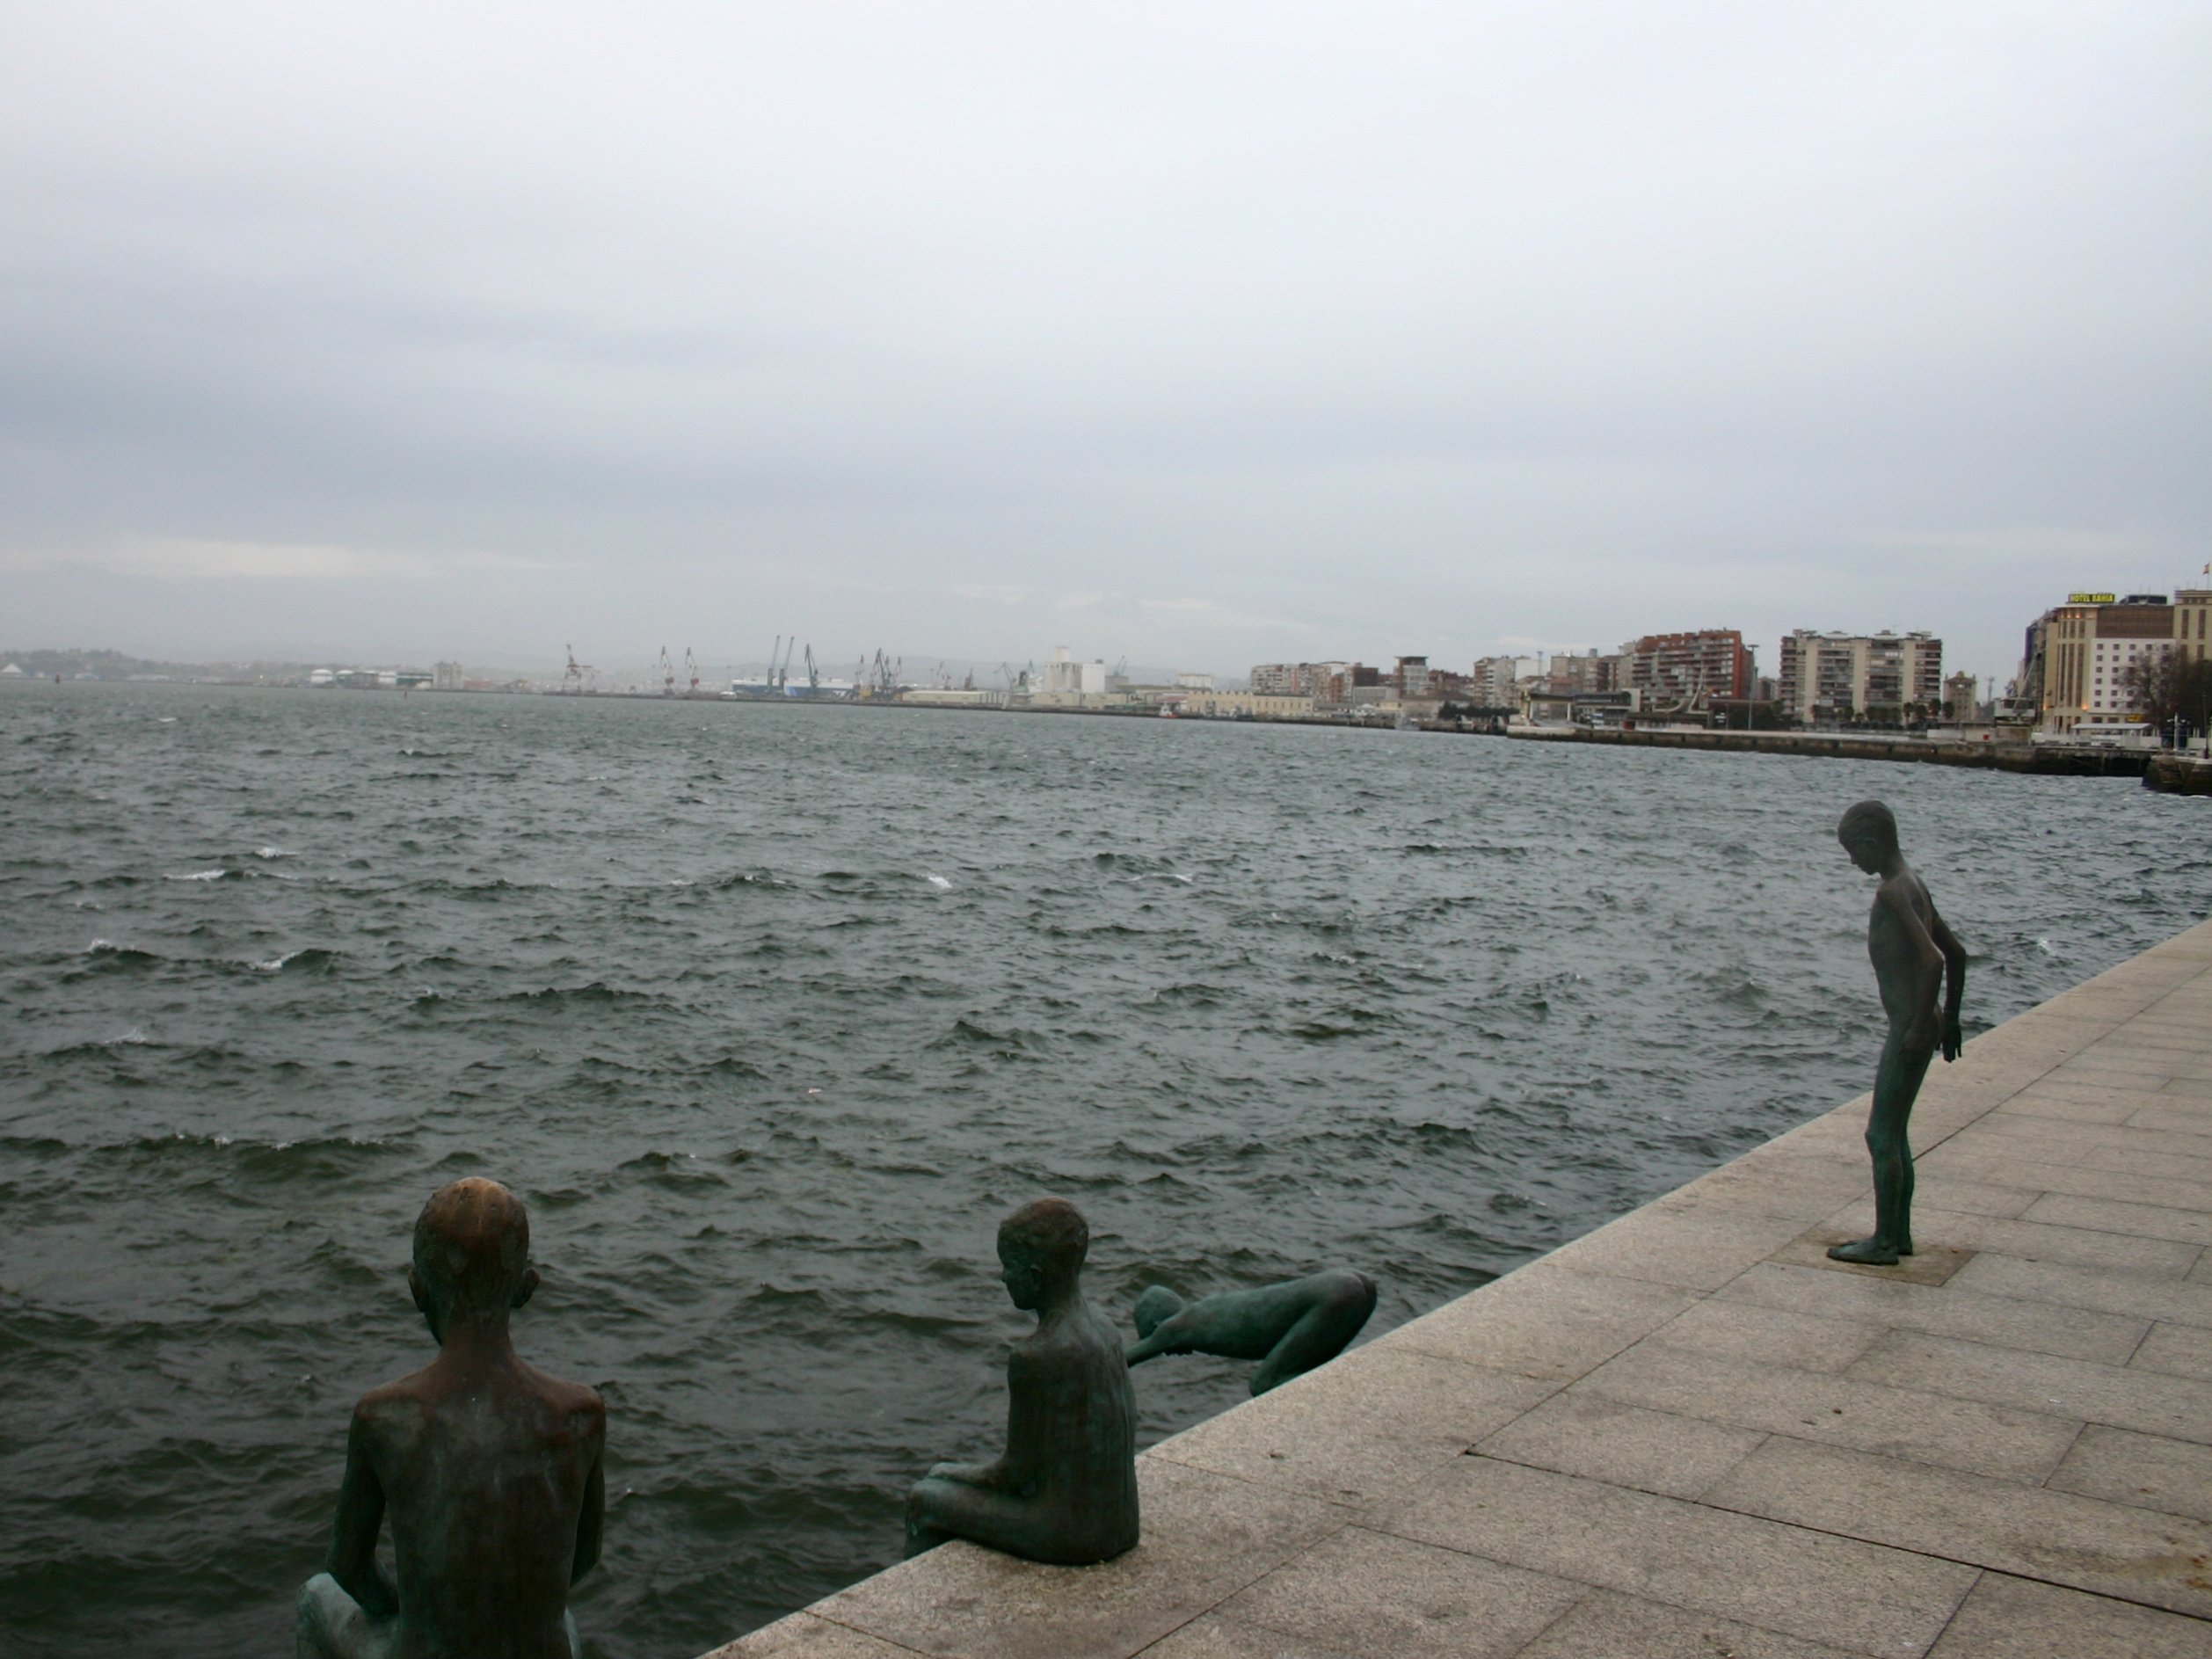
{"x": 1200, "y": 335}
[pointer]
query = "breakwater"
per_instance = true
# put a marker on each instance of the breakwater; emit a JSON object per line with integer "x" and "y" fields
{"x": 2048, "y": 759}
{"x": 2178, "y": 775}
{"x": 1690, "y": 1432}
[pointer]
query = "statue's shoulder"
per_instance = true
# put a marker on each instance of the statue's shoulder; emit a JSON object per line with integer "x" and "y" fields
{"x": 1064, "y": 1348}
{"x": 579, "y": 1403}
{"x": 394, "y": 1414}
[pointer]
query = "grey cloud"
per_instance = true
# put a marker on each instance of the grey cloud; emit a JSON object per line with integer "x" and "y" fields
{"x": 1405, "y": 328}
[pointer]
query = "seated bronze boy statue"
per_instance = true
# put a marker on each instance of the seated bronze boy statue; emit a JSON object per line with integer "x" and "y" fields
{"x": 488, "y": 1471}
{"x": 1065, "y": 1488}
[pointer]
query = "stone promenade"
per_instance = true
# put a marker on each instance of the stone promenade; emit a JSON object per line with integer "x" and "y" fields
{"x": 1689, "y": 1435}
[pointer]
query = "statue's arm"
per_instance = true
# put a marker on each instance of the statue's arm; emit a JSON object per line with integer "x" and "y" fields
{"x": 1171, "y": 1335}
{"x": 1954, "y": 980}
{"x": 360, "y": 1514}
{"x": 591, "y": 1522}
{"x": 1926, "y": 965}
{"x": 1035, "y": 1381}
{"x": 1002, "y": 1471}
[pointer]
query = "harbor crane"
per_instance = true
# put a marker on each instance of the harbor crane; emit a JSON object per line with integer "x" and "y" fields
{"x": 878, "y": 678}
{"x": 813, "y": 674}
{"x": 691, "y": 671}
{"x": 667, "y": 674}
{"x": 572, "y": 679}
{"x": 780, "y": 664}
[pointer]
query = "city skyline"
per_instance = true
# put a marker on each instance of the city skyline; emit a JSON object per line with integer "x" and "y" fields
{"x": 1210, "y": 339}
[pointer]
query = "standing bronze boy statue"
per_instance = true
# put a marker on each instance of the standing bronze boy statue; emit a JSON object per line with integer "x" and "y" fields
{"x": 1917, "y": 962}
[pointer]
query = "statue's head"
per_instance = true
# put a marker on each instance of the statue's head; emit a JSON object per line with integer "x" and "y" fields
{"x": 1869, "y": 835}
{"x": 1155, "y": 1307}
{"x": 1041, "y": 1248}
{"x": 472, "y": 1254}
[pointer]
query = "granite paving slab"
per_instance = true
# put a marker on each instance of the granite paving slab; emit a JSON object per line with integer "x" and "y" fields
{"x": 2118, "y": 1550}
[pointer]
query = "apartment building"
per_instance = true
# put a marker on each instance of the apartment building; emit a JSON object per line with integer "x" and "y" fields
{"x": 1586, "y": 674}
{"x": 1686, "y": 673}
{"x": 1496, "y": 681}
{"x": 2090, "y": 647}
{"x": 1836, "y": 676}
{"x": 1323, "y": 681}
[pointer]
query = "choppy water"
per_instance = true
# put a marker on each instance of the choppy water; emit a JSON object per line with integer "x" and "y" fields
{"x": 770, "y": 1013}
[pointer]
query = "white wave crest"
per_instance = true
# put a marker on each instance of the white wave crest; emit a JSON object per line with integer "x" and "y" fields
{"x": 200, "y": 875}
{"x": 940, "y": 882}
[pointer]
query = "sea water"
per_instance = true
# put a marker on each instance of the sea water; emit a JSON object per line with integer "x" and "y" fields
{"x": 770, "y": 1013}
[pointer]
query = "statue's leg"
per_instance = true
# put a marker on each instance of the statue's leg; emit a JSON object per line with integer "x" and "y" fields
{"x": 1320, "y": 1334}
{"x": 1904, "y": 1080}
{"x": 575, "y": 1640}
{"x": 1889, "y": 1145}
{"x": 930, "y": 1506}
{"x": 938, "y": 1509}
{"x": 333, "y": 1625}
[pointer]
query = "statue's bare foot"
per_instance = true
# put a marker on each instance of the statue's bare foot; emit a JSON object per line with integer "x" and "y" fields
{"x": 1866, "y": 1253}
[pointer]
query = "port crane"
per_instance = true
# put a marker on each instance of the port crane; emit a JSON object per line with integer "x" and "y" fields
{"x": 878, "y": 677}
{"x": 691, "y": 671}
{"x": 667, "y": 674}
{"x": 780, "y": 664}
{"x": 813, "y": 674}
{"x": 572, "y": 678}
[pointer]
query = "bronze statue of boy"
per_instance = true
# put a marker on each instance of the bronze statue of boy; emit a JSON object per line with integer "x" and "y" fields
{"x": 1288, "y": 1327}
{"x": 491, "y": 1470}
{"x": 1065, "y": 1488}
{"x": 1918, "y": 964}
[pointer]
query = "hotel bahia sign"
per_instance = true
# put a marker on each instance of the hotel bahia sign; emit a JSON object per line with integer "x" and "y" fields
{"x": 2092, "y": 599}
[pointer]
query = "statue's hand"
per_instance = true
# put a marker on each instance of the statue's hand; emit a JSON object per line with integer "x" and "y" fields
{"x": 1953, "y": 1041}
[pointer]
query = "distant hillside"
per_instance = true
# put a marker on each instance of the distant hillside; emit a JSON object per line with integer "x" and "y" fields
{"x": 114, "y": 664}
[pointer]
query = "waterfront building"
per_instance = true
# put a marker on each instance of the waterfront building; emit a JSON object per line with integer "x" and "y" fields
{"x": 1194, "y": 682}
{"x": 1446, "y": 686}
{"x": 1682, "y": 673}
{"x": 1411, "y": 677}
{"x": 2193, "y": 622}
{"x": 1323, "y": 681}
{"x": 1569, "y": 675}
{"x": 1063, "y": 674}
{"x": 446, "y": 676}
{"x": 1247, "y": 705}
{"x": 1959, "y": 700}
{"x": 1836, "y": 676}
{"x": 1496, "y": 682}
{"x": 2083, "y": 655}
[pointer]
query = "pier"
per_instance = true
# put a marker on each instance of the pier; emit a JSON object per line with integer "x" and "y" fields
{"x": 1688, "y": 1433}
{"x": 2057, "y": 759}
